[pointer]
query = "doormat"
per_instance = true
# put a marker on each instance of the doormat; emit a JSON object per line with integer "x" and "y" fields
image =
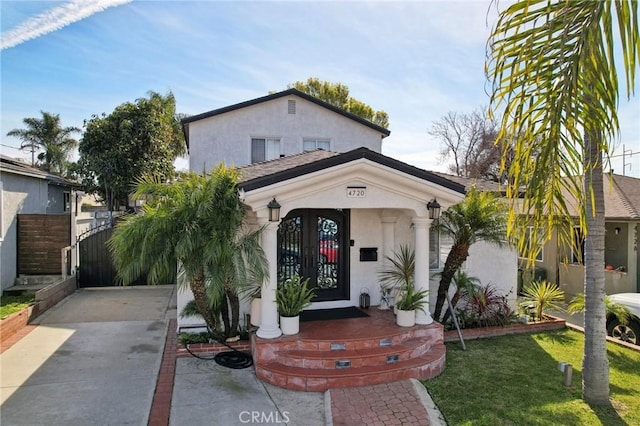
{"x": 332, "y": 314}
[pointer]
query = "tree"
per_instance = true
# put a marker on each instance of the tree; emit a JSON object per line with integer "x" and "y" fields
{"x": 137, "y": 138}
{"x": 337, "y": 94}
{"x": 197, "y": 221}
{"x": 480, "y": 217}
{"x": 469, "y": 141}
{"x": 553, "y": 65}
{"x": 47, "y": 134}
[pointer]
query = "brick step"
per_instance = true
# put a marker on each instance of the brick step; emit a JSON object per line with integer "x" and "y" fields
{"x": 380, "y": 355}
{"x": 422, "y": 367}
{"x": 269, "y": 349}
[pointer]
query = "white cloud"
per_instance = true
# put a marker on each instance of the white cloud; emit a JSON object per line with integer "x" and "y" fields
{"x": 54, "y": 19}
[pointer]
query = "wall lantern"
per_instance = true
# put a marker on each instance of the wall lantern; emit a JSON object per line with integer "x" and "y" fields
{"x": 434, "y": 209}
{"x": 274, "y": 210}
{"x": 618, "y": 229}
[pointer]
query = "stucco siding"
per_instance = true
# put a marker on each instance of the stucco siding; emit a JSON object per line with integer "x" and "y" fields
{"x": 227, "y": 137}
{"x": 55, "y": 203}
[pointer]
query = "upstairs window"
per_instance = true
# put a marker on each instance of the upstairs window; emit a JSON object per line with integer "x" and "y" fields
{"x": 264, "y": 149}
{"x": 313, "y": 144}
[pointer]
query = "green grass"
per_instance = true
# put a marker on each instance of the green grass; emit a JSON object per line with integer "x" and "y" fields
{"x": 514, "y": 380}
{"x": 12, "y": 304}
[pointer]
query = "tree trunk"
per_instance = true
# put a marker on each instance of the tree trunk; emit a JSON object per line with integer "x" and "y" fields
{"x": 225, "y": 314}
{"x": 202, "y": 302}
{"x": 455, "y": 259}
{"x": 454, "y": 302}
{"x": 595, "y": 365}
{"x": 234, "y": 305}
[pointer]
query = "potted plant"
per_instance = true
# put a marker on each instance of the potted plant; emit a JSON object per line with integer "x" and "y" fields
{"x": 397, "y": 274}
{"x": 292, "y": 296}
{"x": 252, "y": 294}
{"x": 408, "y": 304}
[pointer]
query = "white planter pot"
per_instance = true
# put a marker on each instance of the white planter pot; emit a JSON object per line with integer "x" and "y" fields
{"x": 406, "y": 318}
{"x": 290, "y": 325}
{"x": 256, "y": 311}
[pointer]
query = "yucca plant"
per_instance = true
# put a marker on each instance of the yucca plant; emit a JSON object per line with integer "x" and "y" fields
{"x": 543, "y": 296}
{"x": 412, "y": 300}
{"x": 292, "y": 296}
{"x": 399, "y": 273}
{"x": 612, "y": 308}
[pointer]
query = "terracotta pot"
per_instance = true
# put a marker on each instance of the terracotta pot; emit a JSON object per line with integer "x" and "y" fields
{"x": 290, "y": 325}
{"x": 406, "y": 318}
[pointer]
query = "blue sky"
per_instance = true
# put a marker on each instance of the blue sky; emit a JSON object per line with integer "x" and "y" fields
{"x": 415, "y": 60}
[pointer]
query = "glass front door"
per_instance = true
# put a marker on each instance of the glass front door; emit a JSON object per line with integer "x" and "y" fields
{"x": 314, "y": 244}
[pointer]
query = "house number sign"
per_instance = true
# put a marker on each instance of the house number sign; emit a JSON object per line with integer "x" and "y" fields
{"x": 356, "y": 191}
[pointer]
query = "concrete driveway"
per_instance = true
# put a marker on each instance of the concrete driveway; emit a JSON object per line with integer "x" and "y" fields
{"x": 93, "y": 359}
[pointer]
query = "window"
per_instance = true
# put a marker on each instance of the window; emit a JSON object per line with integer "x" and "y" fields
{"x": 264, "y": 149}
{"x": 67, "y": 201}
{"x": 439, "y": 248}
{"x": 528, "y": 237}
{"x": 313, "y": 144}
{"x": 577, "y": 249}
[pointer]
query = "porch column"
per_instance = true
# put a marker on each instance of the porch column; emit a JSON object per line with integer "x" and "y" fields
{"x": 421, "y": 227}
{"x": 269, "y": 328}
{"x": 388, "y": 235}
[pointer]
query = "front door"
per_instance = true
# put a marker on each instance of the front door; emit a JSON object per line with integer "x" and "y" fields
{"x": 314, "y": 244}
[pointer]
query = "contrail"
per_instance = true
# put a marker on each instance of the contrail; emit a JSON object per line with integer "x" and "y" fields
{"x": 54, "y": 19}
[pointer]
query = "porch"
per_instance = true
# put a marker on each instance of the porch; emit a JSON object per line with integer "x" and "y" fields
{"x": 350, "y": 352}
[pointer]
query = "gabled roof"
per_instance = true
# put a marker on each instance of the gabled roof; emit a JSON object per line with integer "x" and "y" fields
{"x": 271, "y": 172}
{"x": 11, "y": 165}
{"x": 480, "y": 184}
{"x": 288, "y": 92}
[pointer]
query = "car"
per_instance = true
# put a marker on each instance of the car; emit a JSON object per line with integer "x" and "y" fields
{"x": 629, "y": 332}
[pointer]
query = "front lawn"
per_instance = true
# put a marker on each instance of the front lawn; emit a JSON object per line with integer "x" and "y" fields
{"x": 514, "y": 380}
{"x": 12, "y": 304}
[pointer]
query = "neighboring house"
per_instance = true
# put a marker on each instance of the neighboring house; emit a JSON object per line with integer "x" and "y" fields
{"x": 28, "y": 190}
{"x": 344, "y": 207}
{"x": 563, "y": 265}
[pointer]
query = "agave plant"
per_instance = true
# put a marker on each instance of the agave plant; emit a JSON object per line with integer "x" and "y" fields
{"x": 543, "y": 296}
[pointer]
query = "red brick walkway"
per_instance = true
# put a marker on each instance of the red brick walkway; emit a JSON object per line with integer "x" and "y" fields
{"x": 395, "y": 403}
{"x": 161, "y": 405}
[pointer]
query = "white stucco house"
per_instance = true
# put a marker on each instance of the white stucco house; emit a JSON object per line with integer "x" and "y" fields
{"x": 344, "y": 205}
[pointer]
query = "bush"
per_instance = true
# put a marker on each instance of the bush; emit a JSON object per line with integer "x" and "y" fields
{"x": 484, "y": 307}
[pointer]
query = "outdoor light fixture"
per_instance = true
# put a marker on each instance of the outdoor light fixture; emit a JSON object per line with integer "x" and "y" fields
{"x": 434, "y": 209}
{"x": 274, "y": 210}
{"x": 617, "y": 230}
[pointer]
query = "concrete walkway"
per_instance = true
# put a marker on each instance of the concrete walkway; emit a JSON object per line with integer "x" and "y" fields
{"x": 104, "y": 357}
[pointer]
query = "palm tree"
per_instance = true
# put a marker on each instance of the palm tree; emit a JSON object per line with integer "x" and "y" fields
{"x": 553, "y": 65}
{"x": 48, "y": 135}
{"x": 465, "y": 284}
{"x": 480, "y": 217}
{"x": 197, "y": 221}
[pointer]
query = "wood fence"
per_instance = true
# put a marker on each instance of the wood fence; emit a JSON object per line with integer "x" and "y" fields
{"x": 40, "y": 240}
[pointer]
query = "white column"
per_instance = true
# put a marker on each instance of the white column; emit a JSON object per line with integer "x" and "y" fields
{"x": 388, "y": 235}
{"x": 269, "y": 328}
{"x": 421, "y": 227}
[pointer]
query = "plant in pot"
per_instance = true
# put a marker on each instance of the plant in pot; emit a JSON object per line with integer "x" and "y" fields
{"x": 398, "y": 273}
{"x": 292, "y": 296}
{"x": 408, "y": 304}
{"x": 252, "y": 294}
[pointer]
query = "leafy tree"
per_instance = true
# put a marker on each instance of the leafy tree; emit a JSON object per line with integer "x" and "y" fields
{"x": 143, "y": 137}
{"x": 197, "y": 221}
{"x": 553, "y": 65}
{"x": 337, "y": 94}
{"x": 47, "y": 134}
{"x": 469, "y": 142}
{"x": 480, "y": 217}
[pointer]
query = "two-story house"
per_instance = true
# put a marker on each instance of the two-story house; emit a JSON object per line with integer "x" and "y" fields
{"x": 344, "y": 205}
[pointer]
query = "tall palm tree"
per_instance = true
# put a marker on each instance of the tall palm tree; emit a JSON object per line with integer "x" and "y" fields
{"x": 553, "y": 65}
{"x": 197, "y": 221}
{"x": 47, "y": 134}
{"x": 480, "y": 217}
